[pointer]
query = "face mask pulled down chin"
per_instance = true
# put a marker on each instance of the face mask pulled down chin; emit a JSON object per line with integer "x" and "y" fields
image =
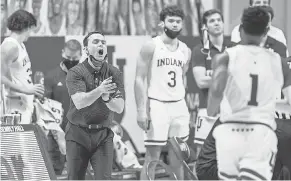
{"x": 171, "y": 34}
{"x": 70, "y": 63}
{"x": 98, "y": 53}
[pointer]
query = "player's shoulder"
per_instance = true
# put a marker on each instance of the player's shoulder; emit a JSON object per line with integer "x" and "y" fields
{"x": 183, "y": 45}
{"x": 9, "y": 46}
{"x": 149, "y": 46}
{"x": 184, "y": 48}
{"x": 220, "y": 59}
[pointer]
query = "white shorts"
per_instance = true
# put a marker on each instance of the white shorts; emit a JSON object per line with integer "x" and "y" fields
{"x": 18, "y": 105}
{"x": 245, "y": 151}
{"x": 203, "y": 126}
{"x": 168, "y": 119}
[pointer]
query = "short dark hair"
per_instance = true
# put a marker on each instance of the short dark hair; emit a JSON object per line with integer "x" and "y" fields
{"x": 20, "y": 20}
{"x": 73, "y": 45}
{"x": 251, "y": 2}
{"x": 209, "y": 13}
{"x": 255, "y": 21}
{"x": 171, "y": 11}
{"x": 85, "y": 40}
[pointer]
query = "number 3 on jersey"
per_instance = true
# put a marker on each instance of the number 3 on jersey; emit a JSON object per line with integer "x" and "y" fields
{"x": 254, "y": 90}
{"x": 172, "y": 74}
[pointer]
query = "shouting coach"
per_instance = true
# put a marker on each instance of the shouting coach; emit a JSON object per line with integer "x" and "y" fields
{"x": 96, "y": 91}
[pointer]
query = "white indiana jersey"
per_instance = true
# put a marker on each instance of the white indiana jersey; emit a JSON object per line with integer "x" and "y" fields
{"x": 20, "y": 71}
{"x": 255, "y": 80}
{"x": 165, "y": 79}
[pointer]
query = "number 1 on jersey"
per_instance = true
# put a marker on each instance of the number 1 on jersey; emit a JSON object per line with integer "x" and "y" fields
{"x": 254, "y": 91}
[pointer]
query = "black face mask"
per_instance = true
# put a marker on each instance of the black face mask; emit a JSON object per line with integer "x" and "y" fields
{"x": 70, "y": 63}
{"x": 170, "y": 33}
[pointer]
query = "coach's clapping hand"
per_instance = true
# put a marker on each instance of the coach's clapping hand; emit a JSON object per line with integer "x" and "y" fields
{"x": 107, "y": 87}
{"x": 37, "y": 90}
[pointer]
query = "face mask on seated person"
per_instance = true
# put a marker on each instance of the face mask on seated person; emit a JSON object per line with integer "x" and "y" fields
{"x": 70, "y": 63}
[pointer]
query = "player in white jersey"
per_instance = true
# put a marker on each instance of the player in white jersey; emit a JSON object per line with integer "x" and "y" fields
{"x": 246, "y": 81}
{"x": 16, "y": 67}
{"x": 159, "y": 90}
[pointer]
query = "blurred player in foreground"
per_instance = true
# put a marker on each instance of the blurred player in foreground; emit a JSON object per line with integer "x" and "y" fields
{"x": 241, "y": 77}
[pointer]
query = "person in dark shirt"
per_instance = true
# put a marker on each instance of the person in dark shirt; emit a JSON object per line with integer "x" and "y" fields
{"x": 96, "y": 91}
{"x": 55, "y": 79}
{"x": 213, "y": 43}
{"x": 55, "y": 88}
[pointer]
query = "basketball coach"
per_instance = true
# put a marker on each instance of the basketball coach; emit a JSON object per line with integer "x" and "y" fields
{"x": 96, "y": 91}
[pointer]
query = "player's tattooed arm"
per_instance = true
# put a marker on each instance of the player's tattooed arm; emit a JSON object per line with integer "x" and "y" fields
{"x": 218, "y": 84}
{"x": 141, "y": 80}
{"x": 186, "y": 67}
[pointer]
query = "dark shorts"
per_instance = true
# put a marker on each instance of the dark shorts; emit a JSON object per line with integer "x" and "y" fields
{"x": 84, "y": 145}
{"x": 206, "y": 166}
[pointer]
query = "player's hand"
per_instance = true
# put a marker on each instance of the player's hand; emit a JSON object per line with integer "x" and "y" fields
{"x": 143, "y": 121}
{"x": 107, "y": 86}
{"x": 37, "y": 90}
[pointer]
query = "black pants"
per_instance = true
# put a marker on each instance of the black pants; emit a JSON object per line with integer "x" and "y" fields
{"x": 207, "y": 164}
{"x": 84, "y": 145}
{"x": 283, "y": 133}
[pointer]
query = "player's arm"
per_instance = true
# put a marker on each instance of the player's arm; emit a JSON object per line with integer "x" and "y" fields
{"x": 116, "y": 104}
{"x": 186, "y": 67}
{"x": 9, "y": 54}
{"x": 199, "y": 70}
{"x": 219, "y": 79}
{"x": 287, "y": 79}
{"x": 142, "y": 69}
